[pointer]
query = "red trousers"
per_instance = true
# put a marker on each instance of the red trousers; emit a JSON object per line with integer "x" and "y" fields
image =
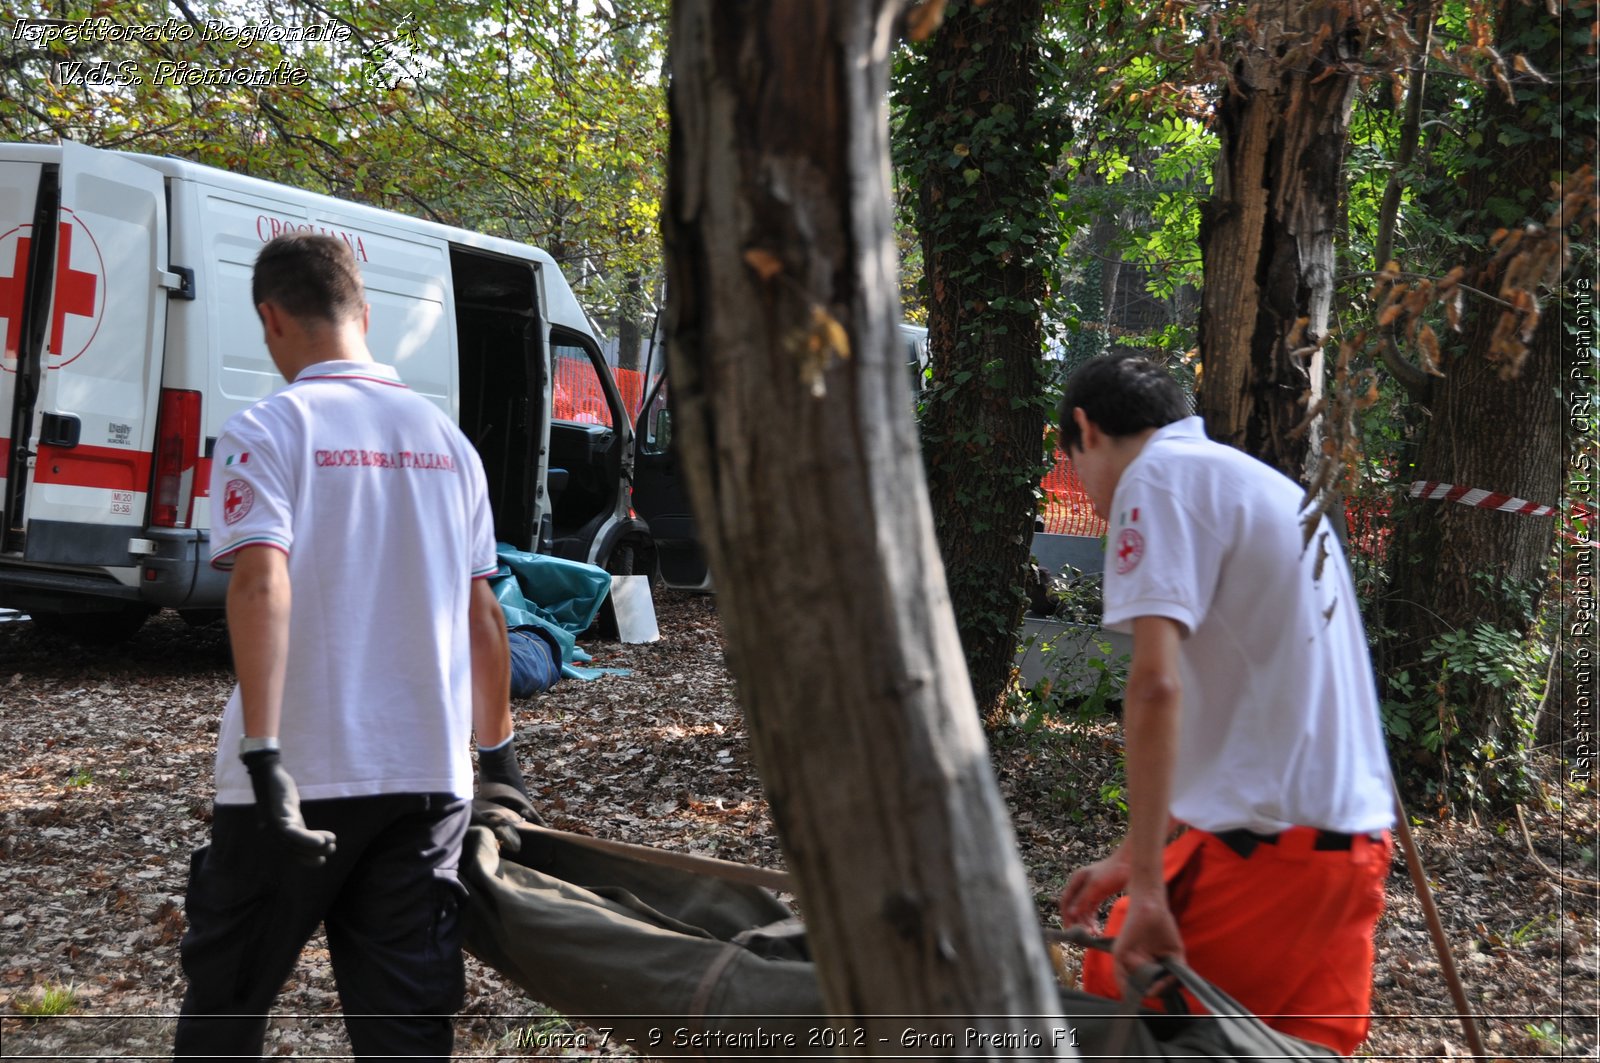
{"x": 1286, "y": 931}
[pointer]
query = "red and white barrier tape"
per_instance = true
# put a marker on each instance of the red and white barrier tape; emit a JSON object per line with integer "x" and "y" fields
{"x": 1478, "y": 497}
{"x": 1470, "y": 496}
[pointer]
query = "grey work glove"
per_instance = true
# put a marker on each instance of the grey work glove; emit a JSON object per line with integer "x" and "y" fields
{"x": 278, "y": 805}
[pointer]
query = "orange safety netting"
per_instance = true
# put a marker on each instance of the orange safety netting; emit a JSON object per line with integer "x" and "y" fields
{"x": 1066, "y": 509}
{"x": 579, "y": 397}
{"x": 1067, "y": 512}
{"x": 1368, "y": 522}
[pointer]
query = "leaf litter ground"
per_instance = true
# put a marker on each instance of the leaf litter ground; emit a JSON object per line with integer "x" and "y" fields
{"x": 107, "y": 783}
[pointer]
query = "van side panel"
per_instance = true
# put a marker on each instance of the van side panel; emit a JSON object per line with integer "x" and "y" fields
{"x": 409, "y": 289}
{"x": 407, "y": 281}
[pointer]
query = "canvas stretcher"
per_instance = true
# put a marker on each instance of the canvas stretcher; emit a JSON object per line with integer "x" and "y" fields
{"x": 684, "y": 965}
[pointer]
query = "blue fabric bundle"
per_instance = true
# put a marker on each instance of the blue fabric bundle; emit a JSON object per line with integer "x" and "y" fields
{"x": 555, "y": 598}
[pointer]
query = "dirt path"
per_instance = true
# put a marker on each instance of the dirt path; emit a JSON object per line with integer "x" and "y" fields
{"x": 107, "y": 782}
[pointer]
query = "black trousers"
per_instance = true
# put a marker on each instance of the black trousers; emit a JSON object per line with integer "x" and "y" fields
{"x": 388, "y": 898}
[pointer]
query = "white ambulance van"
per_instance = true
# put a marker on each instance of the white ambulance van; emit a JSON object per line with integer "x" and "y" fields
{"x": 129, "y": 338}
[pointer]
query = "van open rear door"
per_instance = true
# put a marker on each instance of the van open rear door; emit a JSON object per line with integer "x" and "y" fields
{"x": 92, "y": 426}
{"x": 660, "y": 492}
{"x": 21, "y": 305}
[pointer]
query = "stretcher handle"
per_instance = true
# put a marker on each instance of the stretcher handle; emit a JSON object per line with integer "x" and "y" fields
{"x": 1143, "y": 978}
{"x": 1214, "y": 999}
{"x": 498, "y": 802}
{"x": 1219, "y": 1004}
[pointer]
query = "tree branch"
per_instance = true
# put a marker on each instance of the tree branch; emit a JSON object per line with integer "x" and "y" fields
{"x": 1480, "y": 293}
{"x": 1417, "y": 383}
{"x": 1410, "y": 136}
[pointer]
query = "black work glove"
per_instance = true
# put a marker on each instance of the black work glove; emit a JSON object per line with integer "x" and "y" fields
{"x": 501, "y": 820}
{"x": 278, "y": 806}
{"x": 499, "y": 765}
{"x": 502, "y": 801}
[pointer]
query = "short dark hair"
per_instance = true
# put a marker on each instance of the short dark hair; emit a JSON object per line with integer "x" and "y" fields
{"x": 1123, "y": 394}
{"x": 311, "y": 276}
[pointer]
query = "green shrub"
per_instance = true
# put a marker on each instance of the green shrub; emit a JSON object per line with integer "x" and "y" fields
{"x": 48, "y": 1001}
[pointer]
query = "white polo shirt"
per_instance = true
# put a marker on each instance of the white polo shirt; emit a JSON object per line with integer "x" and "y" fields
{"x": 380, "y": 504}
{"x": 1279, "y": 723}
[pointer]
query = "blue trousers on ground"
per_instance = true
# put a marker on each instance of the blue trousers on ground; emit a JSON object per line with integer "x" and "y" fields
{"x": 535, "y": 661}
{"x": 388, "y": 898}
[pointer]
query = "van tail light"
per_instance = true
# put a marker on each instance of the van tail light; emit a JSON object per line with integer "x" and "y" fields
{"x": 177, "y": 453}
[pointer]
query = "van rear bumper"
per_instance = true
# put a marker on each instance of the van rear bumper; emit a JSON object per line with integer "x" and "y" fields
{"x": 51, "y": 590}
{"x": 177, "y": 574}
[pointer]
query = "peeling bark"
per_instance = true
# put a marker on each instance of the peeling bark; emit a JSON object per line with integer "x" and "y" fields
{"x": 1267, "y": 234}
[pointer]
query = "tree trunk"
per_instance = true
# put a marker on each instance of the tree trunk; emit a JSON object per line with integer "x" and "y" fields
{"x": 980, "y": 217}
{"x": 1454, "y": 567}
{"x": 630, "y": 326}
{"x": 1102, "y": 237}
{"x": 804, "y": 472}
{"x": 1267, "y": 234}
{"x": 1502, "y": 435}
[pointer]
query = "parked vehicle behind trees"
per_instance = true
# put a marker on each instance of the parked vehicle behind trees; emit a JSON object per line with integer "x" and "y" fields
{"x": 660, "y": 493}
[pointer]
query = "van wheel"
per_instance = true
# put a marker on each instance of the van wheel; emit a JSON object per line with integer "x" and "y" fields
{"x": 619, "y": 563}
{"x": 627, "y": 558}
{"x": 634, "y": 558}
{"x": 105, "y": 628}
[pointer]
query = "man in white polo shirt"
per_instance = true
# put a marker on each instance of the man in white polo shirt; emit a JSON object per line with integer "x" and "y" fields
{"x": 343, "y": 774}
{"x": 1250, "y": 715}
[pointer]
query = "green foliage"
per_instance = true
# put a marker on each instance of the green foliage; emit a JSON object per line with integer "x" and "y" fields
{"x": 537, "y": 122}
{"x": 1075, "y": 596}
{"x": 1539, "y": 926}
{"x": 1455, "y": 756}
{"x": 1546, "y": 1033}
{"x": 1133, "y": 180}
{"x": 49, "y": 1001}
{"x": 1437, "y": 226}
{"x": 1145, "y": 146}
{"x": 1114, "y": 795}
{"x": 1068, "y": 714}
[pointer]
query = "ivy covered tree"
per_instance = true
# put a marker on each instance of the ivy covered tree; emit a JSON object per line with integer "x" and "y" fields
{"x": 978, "y": 142}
